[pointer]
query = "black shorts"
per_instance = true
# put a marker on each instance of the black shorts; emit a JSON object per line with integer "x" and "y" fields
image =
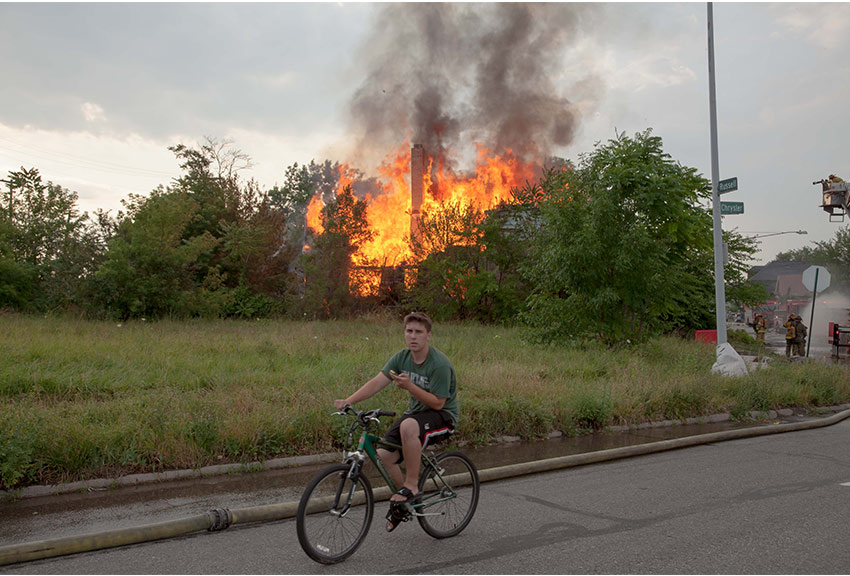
{"x": 433, "y": 427}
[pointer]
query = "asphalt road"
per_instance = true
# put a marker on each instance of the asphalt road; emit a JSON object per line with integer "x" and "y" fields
{"x": 767, "y": 505}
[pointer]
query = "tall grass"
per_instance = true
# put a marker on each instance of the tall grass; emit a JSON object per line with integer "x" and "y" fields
{"x": 82, "y": 399}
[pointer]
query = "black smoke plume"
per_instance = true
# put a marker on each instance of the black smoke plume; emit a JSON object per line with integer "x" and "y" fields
{"x": 447, "y": 74}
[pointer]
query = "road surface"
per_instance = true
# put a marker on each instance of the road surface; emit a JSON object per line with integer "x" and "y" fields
{"x": 769, "y": 505}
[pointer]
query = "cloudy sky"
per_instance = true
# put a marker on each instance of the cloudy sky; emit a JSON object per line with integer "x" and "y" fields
{"x": 93, "y": 94}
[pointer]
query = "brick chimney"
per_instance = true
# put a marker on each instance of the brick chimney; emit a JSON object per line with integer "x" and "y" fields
{"x": 417, "y": 185}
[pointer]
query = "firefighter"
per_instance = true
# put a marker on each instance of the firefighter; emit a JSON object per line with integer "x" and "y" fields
{"x": 790, "y": 335}
{"x": 760, "y": 326}
{"x": 800, "y": 332}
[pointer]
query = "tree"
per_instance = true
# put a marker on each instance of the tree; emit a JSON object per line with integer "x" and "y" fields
{"x": 54, "y": 246}
{"x": 332, "y": 281}
{"x": 739, "y": 290}
{"x": 448, "y": 254}
{"x": 618, "y": 251}
{"x": 833, "y": 254}
{"x": 151, "y": 264}
{"x": 212, "y": 179}
{"x": 812, "y": 254}
{"x": 45, "y": 216}
{"x": 18, "y": 280}
{"x": 500, "y": 288}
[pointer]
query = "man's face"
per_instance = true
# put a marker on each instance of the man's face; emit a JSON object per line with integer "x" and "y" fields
{"x": 416, "y": 336}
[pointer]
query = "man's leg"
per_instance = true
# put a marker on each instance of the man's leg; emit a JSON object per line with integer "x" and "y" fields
{"x": 390, "y": 460}
{"x": 411, "y": 447}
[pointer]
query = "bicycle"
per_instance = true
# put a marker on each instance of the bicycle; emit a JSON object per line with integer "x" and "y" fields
{"x": 337, "y": 506}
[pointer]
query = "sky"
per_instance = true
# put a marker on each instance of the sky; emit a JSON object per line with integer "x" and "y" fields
{"x": 93, "y": 94}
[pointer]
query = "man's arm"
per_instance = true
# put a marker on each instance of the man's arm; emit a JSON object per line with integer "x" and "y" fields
{"x": 430, "y": 400}
{"x": 369, "y": 389}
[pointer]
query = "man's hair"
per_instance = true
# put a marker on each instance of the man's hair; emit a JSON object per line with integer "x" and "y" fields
{"x": 420, "y": 317}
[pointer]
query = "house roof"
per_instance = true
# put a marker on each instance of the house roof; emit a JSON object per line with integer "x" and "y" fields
{"x": 783, "y": 279}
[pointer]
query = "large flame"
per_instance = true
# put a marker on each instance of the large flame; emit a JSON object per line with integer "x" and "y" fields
{"x": 389, "y": 211}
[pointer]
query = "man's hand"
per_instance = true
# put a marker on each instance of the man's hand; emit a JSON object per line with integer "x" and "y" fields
{"x": 402, "y": 380}
{"x": 339, "y": 404}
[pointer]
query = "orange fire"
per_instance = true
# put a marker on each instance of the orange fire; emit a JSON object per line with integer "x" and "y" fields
{"x": 389, "y": 212}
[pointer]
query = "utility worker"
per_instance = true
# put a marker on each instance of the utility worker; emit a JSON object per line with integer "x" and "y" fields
{"x": 760, "y": 326}
{"x": 790, "y": 335}
{"x": 800, "y": 332}
{"x": 833, "y": 179}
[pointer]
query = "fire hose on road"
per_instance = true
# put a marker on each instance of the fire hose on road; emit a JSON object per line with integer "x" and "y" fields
{"x": 220, "y": 519}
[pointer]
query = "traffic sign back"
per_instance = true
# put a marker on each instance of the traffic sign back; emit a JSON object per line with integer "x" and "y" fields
{"x": 823, "y": 278}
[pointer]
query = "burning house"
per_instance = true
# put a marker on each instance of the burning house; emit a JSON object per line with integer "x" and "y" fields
{"x": 477, "y": 106}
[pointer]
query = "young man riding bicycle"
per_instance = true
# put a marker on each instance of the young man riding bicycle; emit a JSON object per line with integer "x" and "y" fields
{"x": 432, "y": 413}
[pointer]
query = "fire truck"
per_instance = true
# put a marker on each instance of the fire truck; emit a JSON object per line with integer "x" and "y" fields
{"x": 775, "y": 312}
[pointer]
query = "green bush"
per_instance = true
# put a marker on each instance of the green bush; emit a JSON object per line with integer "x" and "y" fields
{"x": 17, "y": 448}
{"x": 592, "y": 410}
{"x": 243, "y": 303}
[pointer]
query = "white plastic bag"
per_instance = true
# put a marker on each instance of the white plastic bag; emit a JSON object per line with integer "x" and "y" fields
{"x": 729, "y": 363}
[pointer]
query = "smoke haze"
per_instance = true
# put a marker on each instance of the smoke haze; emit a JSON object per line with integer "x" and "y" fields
{"x": 830, "y": 307}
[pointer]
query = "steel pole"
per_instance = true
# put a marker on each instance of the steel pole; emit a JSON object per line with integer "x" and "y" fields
{"x": 812, "y": 317}
{"x": 719, "y": 286}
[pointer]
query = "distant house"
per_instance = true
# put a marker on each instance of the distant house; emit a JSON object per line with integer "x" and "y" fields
{"x": 782, "y": 279}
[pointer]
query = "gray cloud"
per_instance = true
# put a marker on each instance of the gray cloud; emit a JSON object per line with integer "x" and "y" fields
{"x": 158, "y": 69}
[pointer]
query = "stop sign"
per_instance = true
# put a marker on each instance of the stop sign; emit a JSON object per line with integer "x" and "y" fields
{"x": 822, "y": 276}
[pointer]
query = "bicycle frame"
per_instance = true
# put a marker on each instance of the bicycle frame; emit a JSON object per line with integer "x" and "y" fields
{"x": 338, "y": 504}
{"x": 368, "y": 445}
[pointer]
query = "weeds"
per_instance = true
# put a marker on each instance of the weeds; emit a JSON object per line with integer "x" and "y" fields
{"x": 16, "y": 455}
{"x": 91, "y": 399}
{"x": 592, "y": 410}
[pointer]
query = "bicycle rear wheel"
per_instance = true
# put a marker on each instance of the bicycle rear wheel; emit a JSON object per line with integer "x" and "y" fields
{"x": 331, "y": 526}
{"x": 449, "y": 495}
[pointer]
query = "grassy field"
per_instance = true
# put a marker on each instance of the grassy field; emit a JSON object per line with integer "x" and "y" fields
{"x": 82, "y": 399}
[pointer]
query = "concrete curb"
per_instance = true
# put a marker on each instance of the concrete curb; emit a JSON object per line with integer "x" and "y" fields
{"x": 220, "y": 519}
{"x": 150, "y": 478}
{"x": 295, "y": 461}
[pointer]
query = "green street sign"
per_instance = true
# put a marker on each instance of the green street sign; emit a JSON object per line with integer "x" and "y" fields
{"x": 727, "y": 185}
{"x": 731, "y": 208}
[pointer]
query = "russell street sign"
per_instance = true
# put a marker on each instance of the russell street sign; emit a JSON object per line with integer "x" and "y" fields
{"x": 727, "y": 185}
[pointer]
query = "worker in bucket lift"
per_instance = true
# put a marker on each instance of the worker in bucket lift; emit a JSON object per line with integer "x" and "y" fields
{"x": 833, "y": 179}
{"x": 790, "y": 336}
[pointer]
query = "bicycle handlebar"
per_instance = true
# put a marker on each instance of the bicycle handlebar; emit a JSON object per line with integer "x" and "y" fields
{"x": 363, "y": 415}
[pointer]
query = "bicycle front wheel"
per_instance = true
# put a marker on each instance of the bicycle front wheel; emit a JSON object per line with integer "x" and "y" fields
{"x": 334, "y": 514}
{"x": 449, "y": 495}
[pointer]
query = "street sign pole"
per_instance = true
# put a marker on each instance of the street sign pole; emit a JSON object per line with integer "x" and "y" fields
{"x": 719, "y": 287}
{"x": 814, "y": 279}
{"x": 812, "y": 317}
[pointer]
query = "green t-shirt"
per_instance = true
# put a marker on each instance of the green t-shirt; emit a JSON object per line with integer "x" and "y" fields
{"x": 435, "y": 375}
